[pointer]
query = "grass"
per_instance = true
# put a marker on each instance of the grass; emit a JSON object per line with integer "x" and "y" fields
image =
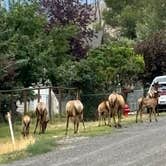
{"x": 38, "y": 144}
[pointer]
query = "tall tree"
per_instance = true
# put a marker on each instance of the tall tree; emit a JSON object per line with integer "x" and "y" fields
{"x": 137, "y": 19}
{"x": 154, "y": 51}
{"x": 71, "y": 12}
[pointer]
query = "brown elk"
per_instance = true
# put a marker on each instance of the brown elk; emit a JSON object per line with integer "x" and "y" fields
{"x": 74, "y": 110}
{"x": 26, "y": 120}
{"x": 41, "y": 114}
{"x": 150, "y": 102}
{"x": 117, "y": 103}
{"x": 103, "y": 111}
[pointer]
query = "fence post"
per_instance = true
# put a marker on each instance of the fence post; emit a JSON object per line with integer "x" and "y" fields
{"x": 77, "y": 94}
{"x": 38, "y": 95}
{"x": 12, "y": 109}
{"x": 25, "y": 101}
{"x": 0, "y": 101}
{"x": 60, "y": 102}
{"x": 11, "y": 128}
{"x": 50, "y": 104}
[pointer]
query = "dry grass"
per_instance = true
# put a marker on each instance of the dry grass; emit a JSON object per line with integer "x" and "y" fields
{"x": 20, "y": 144}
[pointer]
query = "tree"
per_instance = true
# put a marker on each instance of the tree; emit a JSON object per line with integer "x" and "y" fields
{"x": 121, "y": 15}
{"x": 71, "y": 12}
{"x": 137, "y": 19}
{"x": 31, "y": 50}
{"x": 152, "y": 18}
{"x": 153, "y": 50}
{"x": 98, "y": 72}
{"x": 28, "y": 53}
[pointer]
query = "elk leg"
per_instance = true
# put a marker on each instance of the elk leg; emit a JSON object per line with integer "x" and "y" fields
{"x": 67, "y": 124}
{"x": 109, "y": 118}
{"x": 105, "y": 120}
{"x": 75, "y": 126}
{"x": 27, "y": 129}
{"x": 154, "y": 112}
{"x": 82, "y": 119}
{"x": 23, "y": 130}
{"x": 141, "y": 112}
{"x": 99, "y": 119}
{"x": 150, "y": 115}
{"x": 119, "y": 117}
{"x": 41, "y": 124}
{"x": 137, "y": 115}
{"x": 113, "y": 115}
{"x": 37, "y": 121}
{"x": 157, "y": 111}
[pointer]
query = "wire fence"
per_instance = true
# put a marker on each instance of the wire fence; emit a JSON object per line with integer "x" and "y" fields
{"x": 25, "y": 100}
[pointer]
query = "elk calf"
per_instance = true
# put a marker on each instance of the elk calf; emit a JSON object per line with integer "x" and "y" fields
{"x": 41, "y": 114}
{"x": 102, "y": 111}
{"x": 149, "y": 103}
{"x": 26, "y": 120}
{"x": 74, "y": 110}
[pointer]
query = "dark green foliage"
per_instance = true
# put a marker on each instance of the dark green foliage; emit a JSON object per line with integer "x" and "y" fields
{"x": 137, "y": 19}
{"x": 98, "y": 72}
{"x": 154, "y": 51}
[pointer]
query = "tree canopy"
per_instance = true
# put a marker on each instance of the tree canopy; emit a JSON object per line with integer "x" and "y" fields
{"x": 137, "y": 19}
{"x": 154, "y": 51}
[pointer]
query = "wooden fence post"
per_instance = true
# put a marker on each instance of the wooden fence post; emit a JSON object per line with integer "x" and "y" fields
{"x": 0, "y": 101}
{"x": 50, "y": 104}
{"x": 38, "y": 95}
{"x": 60, "y": 102}
{"x": 12, "y": 109}
{"x": 25, "y": 101}
{"x": 77, "y": 94}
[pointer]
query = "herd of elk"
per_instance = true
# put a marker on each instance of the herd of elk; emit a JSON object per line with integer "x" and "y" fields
{"x": 110, "y": 108}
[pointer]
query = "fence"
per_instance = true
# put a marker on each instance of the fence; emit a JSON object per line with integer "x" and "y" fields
{"x": 29, "y": 97}
{"x": 56, "y": 98}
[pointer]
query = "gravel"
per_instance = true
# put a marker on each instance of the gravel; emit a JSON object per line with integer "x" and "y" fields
{"x": 142, "y": 144}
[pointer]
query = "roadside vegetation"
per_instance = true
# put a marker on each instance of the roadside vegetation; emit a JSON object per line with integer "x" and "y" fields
{"x": 38, "y": 144}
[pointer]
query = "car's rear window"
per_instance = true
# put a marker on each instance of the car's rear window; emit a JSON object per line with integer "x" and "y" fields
{"x": 161, "y": 79}
{"x": 162, "y": 86}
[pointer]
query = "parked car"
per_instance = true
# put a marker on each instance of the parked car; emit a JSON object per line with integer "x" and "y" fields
{"x": 162, "y": 91}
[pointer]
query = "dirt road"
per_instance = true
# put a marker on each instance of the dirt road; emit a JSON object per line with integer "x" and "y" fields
{"x": 142, "y": 144}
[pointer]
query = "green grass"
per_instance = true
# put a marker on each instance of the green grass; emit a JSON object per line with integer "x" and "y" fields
{"x": 55, "y": 131}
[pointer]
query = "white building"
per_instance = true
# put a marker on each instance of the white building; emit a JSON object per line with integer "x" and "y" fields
{"x": 44, "y": 97}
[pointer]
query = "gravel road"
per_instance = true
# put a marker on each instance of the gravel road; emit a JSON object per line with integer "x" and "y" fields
{"x": 142, "y": 144}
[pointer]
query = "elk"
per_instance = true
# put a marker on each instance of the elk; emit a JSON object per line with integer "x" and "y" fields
{"x": 26, "y": 120}
{"x": 116, "y": 103}
{"x": 41, "y": 114}
{"x": 74, "y": 110}
{"x": 103, "y": 111}
{"x": 150, "y": 102}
